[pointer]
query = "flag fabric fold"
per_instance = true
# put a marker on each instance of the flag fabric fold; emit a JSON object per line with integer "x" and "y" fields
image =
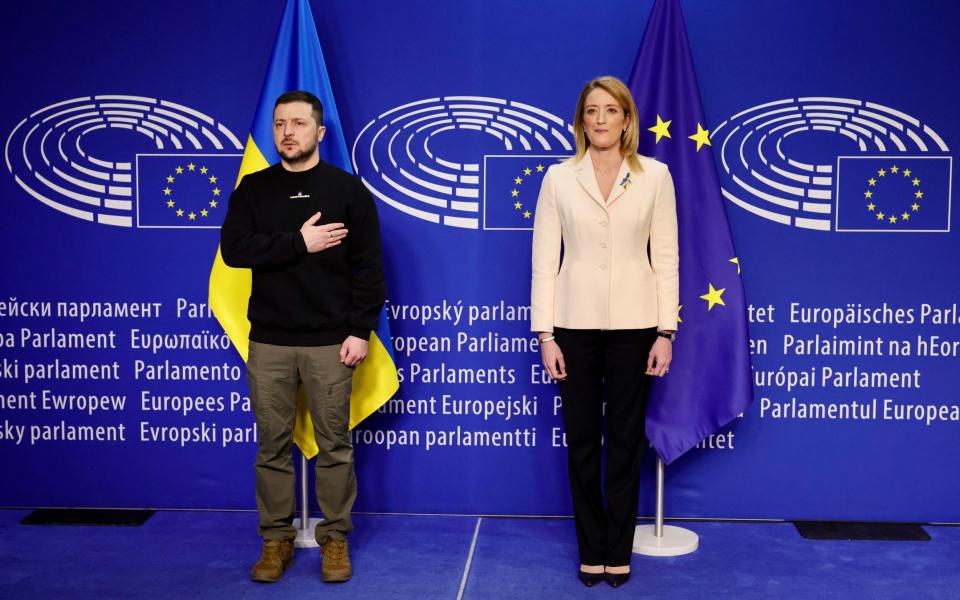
{"x": 709, "y": 383}
{"x": 297, "y": 64}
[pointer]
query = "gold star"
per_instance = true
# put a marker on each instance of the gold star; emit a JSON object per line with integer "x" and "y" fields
{"x": 916, "y": 182}
{"x": 662, "y": 129}
{"x": 871, "y": 206}
{"x": 905, "y": 216}
{"x": 872, "y": 181}
{"x": 216, "y": 191}
{"x": 518, "y": 206}
{"x": 170, "y": 203}
{"x": 539, "y": 168}
{"x": 213, "y": 204}
{"x": 868, "y": 194}
{"x": 213, "y": 179}
{"x": 880, "y": 216}
{"x": 203, "y": 170}
{"x": 914, "y": 207}
{"x": 169, "y": 178}
{"x": 514, "y": 193}
{"x": 881, "y": 173}
{"x": 179, "y": 170}
{"x": 192, "y": 167}
{"x": 736, "y": 260}
{"x": 714, "y": 296}
{"x": 526, "y": 214}
{"x": 166, "y": 191}
{"x": 919, "y": 194}
{"x": 203, "y": 213}
{"x": 679, "y": 320}
{"x": 179, "y": 212}
{"x": 193, "y": 216}
{"x": 527, "y": 171}
{"x": 893, "y": 218}
{"x": 906, "y": 172}
{"x": 701, "y": 137}
{"x": 894, "y": 169}
{"x": 518, "y": 181}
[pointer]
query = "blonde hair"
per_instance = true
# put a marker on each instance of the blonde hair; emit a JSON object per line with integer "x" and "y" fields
{"x": 630, "y": 138}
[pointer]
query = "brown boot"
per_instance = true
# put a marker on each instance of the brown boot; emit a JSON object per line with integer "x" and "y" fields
{"x": 277, "y": 555}
{"x": 336, "y": 561}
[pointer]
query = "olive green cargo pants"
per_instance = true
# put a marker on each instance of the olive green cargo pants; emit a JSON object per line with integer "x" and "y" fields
{"x": 274, "y": 374}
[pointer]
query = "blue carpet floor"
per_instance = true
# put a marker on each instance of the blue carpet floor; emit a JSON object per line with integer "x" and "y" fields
{"x": 187, "y": 555}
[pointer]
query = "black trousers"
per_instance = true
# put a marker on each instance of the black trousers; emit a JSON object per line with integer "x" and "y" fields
{"x": 605, "y": 365}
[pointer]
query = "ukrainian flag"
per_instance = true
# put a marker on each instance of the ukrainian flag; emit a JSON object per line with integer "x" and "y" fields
{"x": 297, "y": 64}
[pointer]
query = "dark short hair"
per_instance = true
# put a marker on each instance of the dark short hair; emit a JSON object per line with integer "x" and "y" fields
{"x": 302, "y": 96}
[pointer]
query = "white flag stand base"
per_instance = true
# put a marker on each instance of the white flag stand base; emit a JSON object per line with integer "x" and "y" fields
{"x": 675, "y": 541}
{"x": 306, "y": 538}
{"x": 659, "y": 539}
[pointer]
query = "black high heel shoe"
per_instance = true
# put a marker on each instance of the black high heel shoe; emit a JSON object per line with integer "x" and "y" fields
{"x": 616, "y": 579}
{"x": 590, "y": 579}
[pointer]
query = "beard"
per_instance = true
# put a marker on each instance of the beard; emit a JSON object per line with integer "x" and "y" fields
{"x": 298, "y": 156}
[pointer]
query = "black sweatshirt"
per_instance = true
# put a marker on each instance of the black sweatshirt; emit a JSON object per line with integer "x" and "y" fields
{"x": 302, "y": 299}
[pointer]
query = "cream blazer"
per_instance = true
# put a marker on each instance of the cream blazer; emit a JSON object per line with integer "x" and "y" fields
{"x": 606, "y": 279}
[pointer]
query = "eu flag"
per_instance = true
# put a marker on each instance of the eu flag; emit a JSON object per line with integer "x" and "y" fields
{"x": 297, "y": 64}
{"x": 510, "y": 188}
{"x": 183, "y": 190}
{"x": 893, "y": 193}
{"x": 709, "y": 382}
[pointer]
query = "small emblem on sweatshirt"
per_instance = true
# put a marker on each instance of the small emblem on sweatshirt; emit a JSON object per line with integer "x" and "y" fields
{"x": 299, "y": 196}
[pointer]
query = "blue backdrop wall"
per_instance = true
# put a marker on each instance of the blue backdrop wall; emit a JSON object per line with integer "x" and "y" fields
{"x": 117, "y": 387}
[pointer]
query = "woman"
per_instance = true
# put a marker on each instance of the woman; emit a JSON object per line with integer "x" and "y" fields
{"x": 605, "y": 316}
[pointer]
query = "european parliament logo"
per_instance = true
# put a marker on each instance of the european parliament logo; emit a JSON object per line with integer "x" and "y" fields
{"x": 836, "y": 164}
{"x": 469, "y": 162}
{"x": 78, "y": 157}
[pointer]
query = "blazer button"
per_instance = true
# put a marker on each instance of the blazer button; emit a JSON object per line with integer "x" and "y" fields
{"x": 603, "y": 223}
{"x": 603, "y": 267}
{"x": 603, "y": 244}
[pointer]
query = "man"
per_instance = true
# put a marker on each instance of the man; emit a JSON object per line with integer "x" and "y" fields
{"x": 316, "y": 297}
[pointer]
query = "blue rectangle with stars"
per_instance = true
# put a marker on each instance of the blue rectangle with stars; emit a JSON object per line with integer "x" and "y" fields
{"x": 893, "y": 193}
{"x": 511, "y": 186}
{"x": 184, "y": 190}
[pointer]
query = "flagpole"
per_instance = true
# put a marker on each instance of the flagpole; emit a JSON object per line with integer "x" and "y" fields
{"x": 305, "y": 536}
{"x": 659, "y": 539}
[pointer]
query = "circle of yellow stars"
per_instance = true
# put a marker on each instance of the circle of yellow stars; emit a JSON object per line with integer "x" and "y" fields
{"x": 515, "y": 192}
{"x": 871, "y": 186}
{"x": 662, "y": 130}
{"x": 172, "y": 204}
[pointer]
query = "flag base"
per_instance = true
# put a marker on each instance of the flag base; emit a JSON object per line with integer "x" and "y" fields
{"x": 675, "y": 541}
{"x": 306, "y": 537}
